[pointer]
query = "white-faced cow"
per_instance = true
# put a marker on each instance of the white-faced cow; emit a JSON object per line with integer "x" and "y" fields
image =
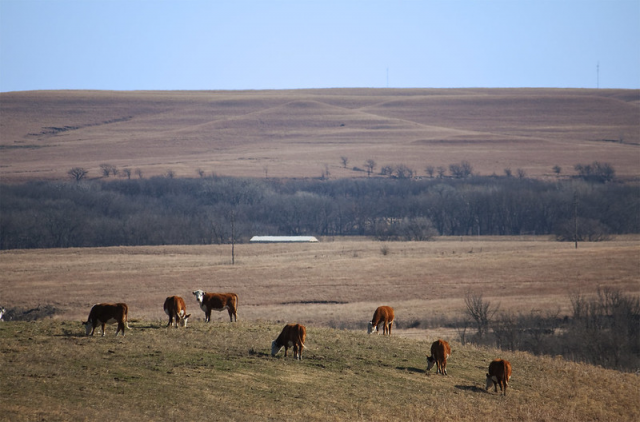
{"x": 107, "y": 313}
{"x": 217, "y": 302}
{"x": 2, "y": 311}
{"x": 292, "y": 335}
{"x": 382, "y": 315}
{"x": 176, "y": 309}
{"x": 440, "y": 352}
{"x": 499, "y": 374}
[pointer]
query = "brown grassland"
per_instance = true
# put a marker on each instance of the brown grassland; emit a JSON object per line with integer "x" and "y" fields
{"x": 222, "y": 371}
{"x": 51, "y": 371}
{"x": 303, "y": 133}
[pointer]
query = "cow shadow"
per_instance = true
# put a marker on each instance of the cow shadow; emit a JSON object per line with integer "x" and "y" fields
{"x": 411, "y": 369}
{"x": 471, "y": 388}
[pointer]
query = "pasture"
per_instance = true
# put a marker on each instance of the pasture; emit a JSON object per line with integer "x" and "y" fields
{"x": 333, "y": 283}
{"x": 305, "y": 133}
{"x": 52, "y": 371}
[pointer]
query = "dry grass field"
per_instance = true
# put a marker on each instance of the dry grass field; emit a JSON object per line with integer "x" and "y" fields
{"x": 52, "y": 371}
{"x": 334, "y": 283}
{"x": 303, "y": 133}
{"x": 223, "y": 371}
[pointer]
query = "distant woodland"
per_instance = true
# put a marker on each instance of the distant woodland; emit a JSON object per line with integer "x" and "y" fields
{"x": 213, "y": 210}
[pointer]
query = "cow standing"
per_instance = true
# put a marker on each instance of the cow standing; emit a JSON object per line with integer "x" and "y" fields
{"x": 217, "y": 302}
{"x": 499, "y": 374}
{"x": 175, "y": 307}
{"x": 382, "y": 315}
{"x": 292, "y": 335}
{"x": 440, "y": 352}
{"x": 107, "y": 313}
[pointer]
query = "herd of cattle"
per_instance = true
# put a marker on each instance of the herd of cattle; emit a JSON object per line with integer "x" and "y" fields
{"x": 292, "y": 335}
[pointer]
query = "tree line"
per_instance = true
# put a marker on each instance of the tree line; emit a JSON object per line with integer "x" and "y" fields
{"x": 170, "y": 210}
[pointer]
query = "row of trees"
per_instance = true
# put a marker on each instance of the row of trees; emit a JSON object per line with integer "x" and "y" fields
{"x": 602, "y": 330}
{"x": 169, "y": 210}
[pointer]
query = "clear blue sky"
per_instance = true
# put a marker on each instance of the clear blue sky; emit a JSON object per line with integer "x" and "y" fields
{"x": 272, "y": 44}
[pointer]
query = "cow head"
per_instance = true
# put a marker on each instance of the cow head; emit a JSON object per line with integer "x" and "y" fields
{"x": 184, "y": 319}
{"x": 372, "y": 328}
{"x": 430, "y": 362}
{"x": 275, "y": 348}
{"x": 2, "y": 311}
{"x": 88, "y": 326}
{"x": 199, "y": 294}
{"x": 491, "y": 381}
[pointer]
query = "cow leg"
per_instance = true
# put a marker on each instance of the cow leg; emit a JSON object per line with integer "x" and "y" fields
{"x": 208, "y": 315}
{"x": 103, "y": 325}
{"x": 230, "y": 314}
{"x": 390, "y": 324}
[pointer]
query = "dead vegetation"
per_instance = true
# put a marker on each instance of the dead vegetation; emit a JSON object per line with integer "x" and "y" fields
{"x": 310, "y": 133}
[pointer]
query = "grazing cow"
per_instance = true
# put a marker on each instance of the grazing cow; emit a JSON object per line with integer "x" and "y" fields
{"x": 440, "y": 352}
{"x": 499, "y": 374}
{"x": 292, "y": 335}
{"x": 2, "y": 311}
{"x": 217, "y": 302}
{"x": 382, "y": 315}
{"x": 176, "y": 309}
{"x": 107, "y": 313}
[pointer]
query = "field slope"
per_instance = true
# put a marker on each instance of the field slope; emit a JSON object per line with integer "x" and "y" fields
{"x": 304, "y": 133}
{"x": 222, "y": 371}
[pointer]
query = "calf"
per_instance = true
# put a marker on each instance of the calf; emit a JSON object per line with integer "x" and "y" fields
{"x": 107, "y": 313}
{"x": 382, "y": 315}
{"x": 292, "y": 335}
{"x": 176, "y": 309}
{"x": 217, "y": 302}
{"x": 440, "y": 352}
{"x": 499, "y": 374}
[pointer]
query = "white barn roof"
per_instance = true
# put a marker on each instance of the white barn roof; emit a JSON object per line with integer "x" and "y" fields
{"x": 275, "y": 239}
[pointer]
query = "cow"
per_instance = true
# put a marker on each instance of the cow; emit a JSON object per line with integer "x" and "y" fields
{"x": 176, "y": 309}
{"x": 292, "y": 335}
{"x": 217, "y": 302}
{"x": 107, "y": 313}
{"x": 382, "y": 315}
{"x": 499, "y": 374}
{"x": 440, "y": 352}
{"x": 2, "y": 312}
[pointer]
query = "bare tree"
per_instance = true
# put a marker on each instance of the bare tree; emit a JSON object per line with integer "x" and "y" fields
{"x": 521, "y": 173}
{"x": 508, "y": 172}
{"x": 77, "y": 173}
{"x": 441, "y": 171}
{"x": 430, "y": 170}
{"x": 403, "y": 172}
{"x": 480, "y": 311}
{"x": 200, "y": 172}
{"x": 345, "y": 161}
{"x": 370, "y": 165}
{"x": 138, "y": 173}
{"x": 557, "y": 170}
{"x": 108, "y": 169}
{"x": 170, "y": 174}
{"x": 127, "y": 172}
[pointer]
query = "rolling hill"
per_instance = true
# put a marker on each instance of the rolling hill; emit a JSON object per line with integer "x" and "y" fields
{"x": 303, "y": 133}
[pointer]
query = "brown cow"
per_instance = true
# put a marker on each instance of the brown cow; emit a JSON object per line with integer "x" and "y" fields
{"x": 440, "y": 352}
{"x": 176, "y": 309}
{"x": 107, "y": 313}
{"x": 217, "y": 302}
{"x": 292, "y": 335}
{"x": 382, "y": 315}
{"x": 499, "y": 374}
